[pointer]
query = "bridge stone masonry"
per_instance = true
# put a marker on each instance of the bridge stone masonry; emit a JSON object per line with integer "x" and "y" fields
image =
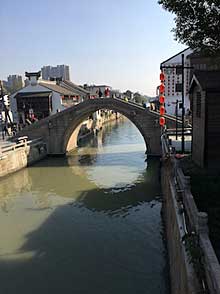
{"x": 60, "y": 130}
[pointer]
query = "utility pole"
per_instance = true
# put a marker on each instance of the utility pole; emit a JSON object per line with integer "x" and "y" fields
{"x": 176, "y": 118}
{"x": 183, "y": 108}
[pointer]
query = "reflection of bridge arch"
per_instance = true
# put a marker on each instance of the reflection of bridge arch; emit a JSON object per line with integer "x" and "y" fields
{"x": 58, "y": 130}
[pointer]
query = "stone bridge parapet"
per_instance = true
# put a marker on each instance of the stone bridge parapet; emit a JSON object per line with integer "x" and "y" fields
{"x": 60, "y": 130}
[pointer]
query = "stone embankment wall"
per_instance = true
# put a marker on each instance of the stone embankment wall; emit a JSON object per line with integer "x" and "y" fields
{"x": 108, "y": 117}
{"x": 93, "y": 126}
{"x": 18, "y": 156}
{"x": 183, "y": 221}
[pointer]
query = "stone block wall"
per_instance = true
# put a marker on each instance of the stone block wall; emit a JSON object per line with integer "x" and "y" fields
{"x": 21, "y": 157}
{"x": 183, "y": 278}
{"x": 182, "y": 221}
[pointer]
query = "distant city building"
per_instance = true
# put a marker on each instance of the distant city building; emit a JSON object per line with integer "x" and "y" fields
{"x": 173, "y": 82}
{"x": 94, "y": 89}
{"x": 26, "y": 82}
{"x": 13, "y": 83}
{"x": 116, "y": 94}
{"x": 53, "y": 72}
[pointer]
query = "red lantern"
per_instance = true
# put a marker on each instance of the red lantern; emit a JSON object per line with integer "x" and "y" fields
{"x": 162, "y": 110}
{"x": 162, "y": 121}
{"x": 162, "y": 77}
{"x": 162, "y": 99}
{"x": 162, "y": 88}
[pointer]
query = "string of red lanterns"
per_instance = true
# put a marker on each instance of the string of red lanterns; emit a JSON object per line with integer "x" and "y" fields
{"x": 162, "y": 99}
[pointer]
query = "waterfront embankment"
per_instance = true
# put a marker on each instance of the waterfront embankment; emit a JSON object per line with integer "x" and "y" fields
{"x": 194, "y": 267}
{"x": 16, "y": 156}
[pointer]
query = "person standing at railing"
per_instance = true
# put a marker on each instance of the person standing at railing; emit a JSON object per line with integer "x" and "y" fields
{"x": 107, "y": 92}
{"x": 100, "y": 93}
{"x": 6, "y": 132}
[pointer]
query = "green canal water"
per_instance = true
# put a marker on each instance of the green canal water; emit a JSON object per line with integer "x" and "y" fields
{"x": 86, "y": 223}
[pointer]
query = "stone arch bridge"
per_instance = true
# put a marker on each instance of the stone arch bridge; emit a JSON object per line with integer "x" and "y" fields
{"x": 60, "y": 130}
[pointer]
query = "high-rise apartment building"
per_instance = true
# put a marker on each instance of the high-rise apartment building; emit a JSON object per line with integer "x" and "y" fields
{"x": 53, "y": 72}
{"x": 13, "y": 83}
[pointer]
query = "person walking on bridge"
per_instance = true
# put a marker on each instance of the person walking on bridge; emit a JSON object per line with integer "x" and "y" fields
{"x": 100, "y": 93}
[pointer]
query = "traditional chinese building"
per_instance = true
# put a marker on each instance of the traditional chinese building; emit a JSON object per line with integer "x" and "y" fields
{"x": 41, "y": 98}
{"x": 205, "y": 104}
{"x": 173, "y": 82}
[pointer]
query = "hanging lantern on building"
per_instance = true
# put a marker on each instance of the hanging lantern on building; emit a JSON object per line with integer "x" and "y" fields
{"x": 162, "y": 110}
{"x": 162, "y": 121}
{"x": 162, "y": 88}
{"x": 162, "y": 99}
{"x": 162, "y": 77}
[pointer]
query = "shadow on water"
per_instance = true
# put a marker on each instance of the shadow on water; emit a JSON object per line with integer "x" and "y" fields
{"x": 64, "y": 231}
{"x": 124, "y": 197}
{"x": 85, "y": 245}
{"x": 87, "y": 157}
{"x": 80, "y": 189}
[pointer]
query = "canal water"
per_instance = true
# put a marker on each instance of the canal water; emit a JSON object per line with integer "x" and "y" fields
{"x": 86, "y": 223}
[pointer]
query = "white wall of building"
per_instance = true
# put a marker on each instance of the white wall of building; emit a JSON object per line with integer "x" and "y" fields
{"x": 172, "y": 78}
{"x": 56, "y": 103}
{"x": 56, "y": 99}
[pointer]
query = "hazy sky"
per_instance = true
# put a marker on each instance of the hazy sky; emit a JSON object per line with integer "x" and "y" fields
{"x": 115, "y": 42}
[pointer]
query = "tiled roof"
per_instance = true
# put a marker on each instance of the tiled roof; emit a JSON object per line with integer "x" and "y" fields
{"x": 58, "y": 89}
{"x": 71, "y": 86}
{"x": 181, "y": 52}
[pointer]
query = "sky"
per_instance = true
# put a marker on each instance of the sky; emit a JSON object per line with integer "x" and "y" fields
{"x": 119, "y": 43}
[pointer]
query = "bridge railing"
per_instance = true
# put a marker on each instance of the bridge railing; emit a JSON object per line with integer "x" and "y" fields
{"x": 194, "y": 222}
{"x": 21, "y": 142}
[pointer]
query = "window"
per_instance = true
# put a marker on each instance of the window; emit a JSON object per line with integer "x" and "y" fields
{"x": 178, "y": 87}
{"x": 180, "y": 105}
{"x": 198, "y": 104}
{"x": 179, "y": 70}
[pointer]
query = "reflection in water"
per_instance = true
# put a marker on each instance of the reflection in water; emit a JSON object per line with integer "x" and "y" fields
{"x": 89, "y": 222}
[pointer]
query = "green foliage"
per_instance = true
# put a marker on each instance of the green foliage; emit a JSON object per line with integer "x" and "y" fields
{"x": 194, "y": 253}
{"x": 138, "y": 98}
{"x": 197, "y": 23}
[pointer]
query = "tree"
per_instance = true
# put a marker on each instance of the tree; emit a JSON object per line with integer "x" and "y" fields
{"x": 138, "y": 98}
{"x": 197, "y": 23}
{"x": 128, "y": 94}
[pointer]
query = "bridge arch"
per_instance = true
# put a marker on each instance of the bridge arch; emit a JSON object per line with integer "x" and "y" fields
{"x": 56, "y": 130}
{"x": 71, "y": 132}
